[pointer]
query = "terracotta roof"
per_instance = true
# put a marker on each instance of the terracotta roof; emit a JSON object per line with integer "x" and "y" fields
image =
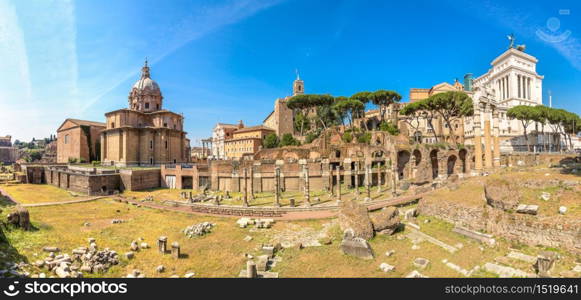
{"x": 253, "y": 128}
{"x": 82, "y": 123}
{"x": 226, "y": 125}
{"x": 87, "y": 123}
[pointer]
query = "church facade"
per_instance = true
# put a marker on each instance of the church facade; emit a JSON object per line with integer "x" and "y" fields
{"x": 144, "y": 134}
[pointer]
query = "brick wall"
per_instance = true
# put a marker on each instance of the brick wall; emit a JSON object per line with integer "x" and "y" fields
{"x": 135, "y": 180}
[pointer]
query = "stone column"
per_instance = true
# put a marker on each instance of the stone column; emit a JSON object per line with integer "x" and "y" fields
{"x": 331, "y": 190}
{"x": 496, "y": 132}
{"x": 477, "y": 140}
{"x": 338, "y": 184}
{"x": 276, "y": 186}
{"x": 356, "y": 179}
{"x": 487, "y": 144}
{"x": 251, "y": 182}
{"x": 394, "y": 178}
{"x": 387, "y": 169}
{"x": 379, "y": 168}
{"x": 307, "y": 187}
{"x": 368, "y": 182}
{"x": 245, "y": 198}
{"x": 325, "y": 174}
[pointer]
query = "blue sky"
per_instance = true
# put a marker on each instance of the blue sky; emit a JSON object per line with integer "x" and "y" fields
{"x": 224, "y": 61}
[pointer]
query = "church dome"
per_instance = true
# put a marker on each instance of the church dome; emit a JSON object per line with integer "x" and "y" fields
{"x": 146, "y": 84}
{"x": 145, "y": 95}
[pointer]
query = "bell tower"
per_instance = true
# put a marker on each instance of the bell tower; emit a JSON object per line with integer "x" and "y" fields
{"x": 298, "y": 85}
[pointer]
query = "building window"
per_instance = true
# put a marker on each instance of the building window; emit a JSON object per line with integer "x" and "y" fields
{"x": 157, "y": 106}
{"x": 164, "y": 124}
{"x": 151, "y": 144}
{"x": 151, "y": 160}
{"x": 165, "y": 144}
{"x": 112, "y": 124}
{"x": 146, "y": 105}
{"x": 66, "y": 139}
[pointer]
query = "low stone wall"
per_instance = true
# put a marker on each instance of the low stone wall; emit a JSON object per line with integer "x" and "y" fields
{"x": 551, "y": 231}
{"x": 528, "y": 159}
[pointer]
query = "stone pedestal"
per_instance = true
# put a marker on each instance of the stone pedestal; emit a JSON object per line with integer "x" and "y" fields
{"x": 162, "y": 244}
{"x": 251, "y": 271}
{"x": 175, "y": 250}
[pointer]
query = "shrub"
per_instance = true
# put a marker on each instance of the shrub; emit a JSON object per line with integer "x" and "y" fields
{"x": 389, "y": 127}
{"x": 347, "y": 137}
{"x": 96, "y": 163}
{"x": 288, "y": 140}
{"x": 364, "y": 138}
{"x": 311, "y": 137}
{"x": 271, "y": 141}
{"x": 72, "y": 160}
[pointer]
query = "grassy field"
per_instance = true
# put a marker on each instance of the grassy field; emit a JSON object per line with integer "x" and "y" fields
{"x": 471, "y": 192}
{"x": 221, "y": 253}
{"x": 39, "y": 193}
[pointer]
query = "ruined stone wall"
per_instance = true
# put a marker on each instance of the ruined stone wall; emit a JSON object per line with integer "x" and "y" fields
{"x": 550, "y": 231}
{"x": 532, "y": 159}
{"x": 7, "y": 154}
{"x": 136, "y": 180}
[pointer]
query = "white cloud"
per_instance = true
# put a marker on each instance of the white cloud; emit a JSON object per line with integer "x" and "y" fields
{"x": 38, "y": 69}
{"x": 40, "y": 84}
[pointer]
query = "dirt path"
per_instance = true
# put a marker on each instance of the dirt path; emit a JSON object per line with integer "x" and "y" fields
{"x": 287, "y": 215}
{"x": 5, "y": 194}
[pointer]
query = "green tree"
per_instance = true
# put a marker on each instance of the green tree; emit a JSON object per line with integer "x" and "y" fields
{"x": 383, "y": 99}
{"x": 451, "y": 106}
{"x": 305, "y": 103}
{"x": 349, "y": 108}
{"x": 389, "y": 127}
{"x": 363, "y": 97}
{"x": 288, "y": 140}
{"x": 539, "y": 116}
{"x": 414, "y": 113}
{"x": 271, "y": 141}
{"x": 526, "y": 115}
